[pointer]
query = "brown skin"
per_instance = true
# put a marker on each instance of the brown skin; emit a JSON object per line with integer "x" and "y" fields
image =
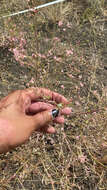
{"x": 22, "y": 113}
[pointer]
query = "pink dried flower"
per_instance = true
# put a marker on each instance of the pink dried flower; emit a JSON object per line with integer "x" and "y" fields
{"x": 57, "y": 59}
{"x": 60, "y": 23}
{"x": 104, "y": 145}
{"x": 32, "y": 80}
{"x": 14, "y": 39}
{"x": 80, "y": 76}
{"x": 70, "y": 75}
{"x": 56, "y": 39}
{"x": 33, "y": 55}
{"x": 69, "y": 52}
{"x": 82, "y": 158}
{"x": 18, "y": 55}
{"x": 68, "y": 25}
{"x": 77, "y": 103}
{"x": 62, "y": 86}
{"x": 49, "y": 52}
{"x": 81, "y": 84}
{"x": 42, "y": 56}
{"x": 95, "y": 92}
{"x": 77, "y": 137}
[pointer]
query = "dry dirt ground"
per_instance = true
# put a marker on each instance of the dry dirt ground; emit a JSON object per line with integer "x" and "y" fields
{"x": 70, "y": 57}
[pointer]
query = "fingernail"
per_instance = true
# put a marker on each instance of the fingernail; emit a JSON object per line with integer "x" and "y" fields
{"x": 55, "y": 113}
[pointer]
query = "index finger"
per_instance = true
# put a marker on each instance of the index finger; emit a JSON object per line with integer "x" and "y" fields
{"x": 43, "y": 93}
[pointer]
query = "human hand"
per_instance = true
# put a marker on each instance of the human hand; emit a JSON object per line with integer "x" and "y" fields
{"x": 24, "y": 111}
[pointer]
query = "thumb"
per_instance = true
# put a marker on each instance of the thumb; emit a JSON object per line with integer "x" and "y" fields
{"x": 43, "y": 118}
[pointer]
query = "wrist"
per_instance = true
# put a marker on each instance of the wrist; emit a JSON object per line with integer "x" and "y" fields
{"x": 3, "y": 136}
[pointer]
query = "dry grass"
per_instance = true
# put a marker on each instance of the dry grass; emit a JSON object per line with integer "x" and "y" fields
{"x": 65, "y": 47}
